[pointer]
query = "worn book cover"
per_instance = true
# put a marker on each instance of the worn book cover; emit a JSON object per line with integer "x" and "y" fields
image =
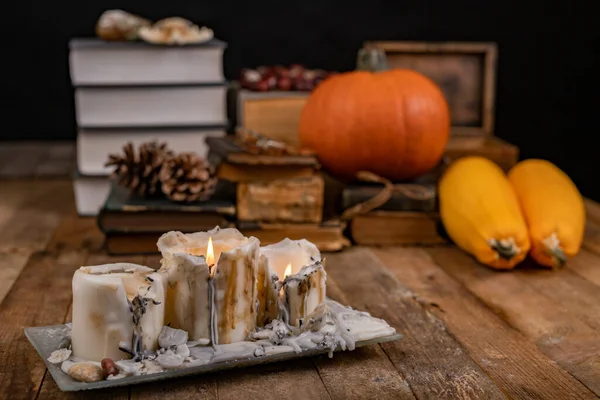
{"x": 405, "y": 197}
{"x": 236, "y": 165}
{"x": 327, "y": 236}
{"x": 126, "y": 213}
{"x": 396, "y": 228}
{"x": 419, "y": 194}
{"x": 297, "y": 200}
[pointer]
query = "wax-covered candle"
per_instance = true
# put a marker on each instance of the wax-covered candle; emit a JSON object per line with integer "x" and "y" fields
{"x": 229, "y": 288}
{"x": 304, "y": 291}
{"x": 116, "y": 306}
{"x": 277, "y": 261}
{"x": 293, "y": 253}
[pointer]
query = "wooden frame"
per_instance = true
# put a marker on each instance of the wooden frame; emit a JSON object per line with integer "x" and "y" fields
{"x": 485, "y": 53}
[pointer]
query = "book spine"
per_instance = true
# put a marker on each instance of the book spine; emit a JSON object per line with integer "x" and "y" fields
{"x": 282, "y": 200}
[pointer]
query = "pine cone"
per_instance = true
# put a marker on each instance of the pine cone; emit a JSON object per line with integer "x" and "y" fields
{"x": 140, "y": 172}
{"x": 187, "y": 177}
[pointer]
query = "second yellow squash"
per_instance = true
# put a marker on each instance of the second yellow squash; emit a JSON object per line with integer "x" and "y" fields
{"x": 553, "y": 209}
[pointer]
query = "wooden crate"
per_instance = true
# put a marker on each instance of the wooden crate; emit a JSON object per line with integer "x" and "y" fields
{"x": 466, "y": 73}
{"x": 275, "y": 114}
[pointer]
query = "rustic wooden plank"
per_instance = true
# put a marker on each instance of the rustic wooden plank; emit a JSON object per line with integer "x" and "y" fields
{"x": 75, "y": 232}
{"x": 189, "y": 388}
{"x": 21, "y": 159}
{"x": 13, "y": 194}
{"x": 29, "y": 214}
{"x": 573, "y": 292}
{"x": 59, "y": 161}
{"x": 559, "y": 334}
{"x": 515, "y": 364}
{"x": 587, "y": 265}
{"x": 51, "y": 391}
{"x": 40, "y": 296}
{"x": 33, "y": 222}
{"x": 592, "y": 210}
{"x": 11, "y": 265}
{"x": 283, "y": 380}
{"x": 432, "y": 361}
{"x": 591, "y": 239}
{"x": 365, "y": 372}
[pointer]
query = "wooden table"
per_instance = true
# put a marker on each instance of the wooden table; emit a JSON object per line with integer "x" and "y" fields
{"x": 470, "y": 332}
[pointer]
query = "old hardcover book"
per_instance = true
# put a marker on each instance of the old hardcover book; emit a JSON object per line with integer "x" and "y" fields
{"x": 147, "y": 106}
{"x": 94, "y": 145}
{"x": 236, "y": 165}
{"x": 282, "y": 200}
{"x": 93, "y": 61}
{"x": 396, "y": 228}
{"x": 327, "y": 236}
{"x": 419, "y": 194}
{"x": 123, "y": 213}
{"x": 405, "y": 197}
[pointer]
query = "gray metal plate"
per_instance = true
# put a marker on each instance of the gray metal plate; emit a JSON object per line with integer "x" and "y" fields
{"x": 46, "y": 339}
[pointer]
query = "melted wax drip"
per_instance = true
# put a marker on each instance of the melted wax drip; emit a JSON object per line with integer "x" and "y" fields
{"x": 214, "y": 335}
{"x": 138, "y": 307}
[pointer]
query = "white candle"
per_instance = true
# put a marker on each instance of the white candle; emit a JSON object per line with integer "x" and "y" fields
{"x": 277, "y": 261}
{"x": 188, "y": 305}
{"x": 304, "y": 291}
{"x": 295, "y": 253}
{"x": 230, "y": 287}
{"x": 116, "y": 306}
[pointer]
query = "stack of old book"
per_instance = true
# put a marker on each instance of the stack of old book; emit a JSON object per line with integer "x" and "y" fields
{"x": 394, "y": 214}
{"x": 133, "y": 91}
{"x": 279, "y": 192}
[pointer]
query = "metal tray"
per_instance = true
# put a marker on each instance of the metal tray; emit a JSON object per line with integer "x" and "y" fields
{"x": 46, "y": 339}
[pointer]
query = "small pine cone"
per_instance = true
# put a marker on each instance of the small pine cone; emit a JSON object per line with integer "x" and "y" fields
{"x": 139, "y": 172}
{"x": 187, "y": 177}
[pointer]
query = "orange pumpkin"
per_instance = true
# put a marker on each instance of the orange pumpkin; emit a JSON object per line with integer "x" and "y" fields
{"x": 393, "y": 123}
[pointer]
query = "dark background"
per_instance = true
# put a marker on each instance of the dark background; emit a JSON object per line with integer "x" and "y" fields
{"x": 547, "y": 71}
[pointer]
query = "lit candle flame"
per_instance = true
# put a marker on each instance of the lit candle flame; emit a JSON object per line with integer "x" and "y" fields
{"x": 210, "y": 253}
{"x": 288, "y": 271}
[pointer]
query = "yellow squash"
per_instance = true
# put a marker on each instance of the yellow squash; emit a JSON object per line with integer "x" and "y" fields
{"x": 481, "y": 213}
{"x": 553, "y": 209}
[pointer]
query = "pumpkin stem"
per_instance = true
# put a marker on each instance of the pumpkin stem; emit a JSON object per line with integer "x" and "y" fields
{"x": 505, "y": 249}
{"x": 371, "y": 58}
{"x": 552, "y": 245}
